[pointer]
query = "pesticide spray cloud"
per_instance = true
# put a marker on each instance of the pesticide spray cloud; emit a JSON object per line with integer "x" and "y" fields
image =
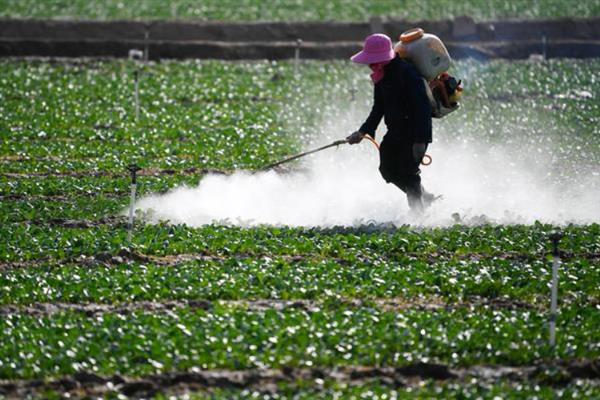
{"x": 480, "y": 182}
{"x": 345, "y": 188}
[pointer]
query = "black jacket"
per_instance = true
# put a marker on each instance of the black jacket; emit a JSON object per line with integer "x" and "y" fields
{"x": 400, "y": 98}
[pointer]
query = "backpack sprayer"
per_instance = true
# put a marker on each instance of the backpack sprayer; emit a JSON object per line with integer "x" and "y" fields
{"x": 431, "y": 58}
{"x": 428, "y": 53}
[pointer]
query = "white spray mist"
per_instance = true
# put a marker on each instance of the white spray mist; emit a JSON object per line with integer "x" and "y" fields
{"x": 479, "y": 181}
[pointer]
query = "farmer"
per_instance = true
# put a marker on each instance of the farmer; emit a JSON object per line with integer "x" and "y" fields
{"x": 400, "y": 98}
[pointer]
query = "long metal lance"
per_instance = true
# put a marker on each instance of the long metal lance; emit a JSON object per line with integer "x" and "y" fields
{"x": 292, "y": 158}
{"x": 334, "y": 144}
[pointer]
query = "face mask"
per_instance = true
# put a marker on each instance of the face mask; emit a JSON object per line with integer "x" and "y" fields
{"x": 378, "y": 71}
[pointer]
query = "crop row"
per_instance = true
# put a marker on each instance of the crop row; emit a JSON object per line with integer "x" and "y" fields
{"x": 235, "y": 338}
{"x": 92, "y": 207}
{"x": 404, "y": 277}
{"x": 90, "y": 186}
{"x": 431, "y": 390}
{"x": 294, "y": 10}
{"x": 30, "y": 242}
{"x": 44, "y": 198}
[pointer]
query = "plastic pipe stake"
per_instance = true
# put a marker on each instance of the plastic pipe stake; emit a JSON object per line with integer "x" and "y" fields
{"x": 544, "y": 47}
{"x": 136, "y": 55}
{"x": 555, "y": 237}
{"x": 136, "y": 77}
{"x": 133, "y": 169}
{"x": 297, "y": 56}
{"x": 147, "y": 44}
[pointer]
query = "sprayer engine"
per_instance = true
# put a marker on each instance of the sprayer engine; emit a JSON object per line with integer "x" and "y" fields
{"x": 446, "y": 91}
{"x": 428, "y": 53}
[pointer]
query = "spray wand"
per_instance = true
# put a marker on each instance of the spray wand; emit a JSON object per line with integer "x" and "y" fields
{"x": 292, "y": 158}
{"x": 334, "y": 144}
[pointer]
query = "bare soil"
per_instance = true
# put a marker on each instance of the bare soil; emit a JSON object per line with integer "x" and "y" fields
{"x": 92, "y": 174}
{"x": 430, "y": 303}
{"x": 87, "y": 384}
{"x": 125, "y": 256}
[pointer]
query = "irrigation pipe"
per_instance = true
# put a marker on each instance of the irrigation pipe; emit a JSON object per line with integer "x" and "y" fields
{"x": 133, "y": 169}
{"x": 555, "y": 237}
{"x": 135, "y": 54}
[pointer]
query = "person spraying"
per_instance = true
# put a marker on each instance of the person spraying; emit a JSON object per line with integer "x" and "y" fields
{"x": 404, "y": 100}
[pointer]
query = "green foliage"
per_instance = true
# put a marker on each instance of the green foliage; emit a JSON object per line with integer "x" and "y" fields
{"x": 71, "y": 126}
{"x": 276, "y": 278}
{"x": 234, "y": 338}
{"x": 286, "y": 10}
{"x": 430, "y": 390}
{"x": 349, "y": 244}
{"x": 207, "y": 115}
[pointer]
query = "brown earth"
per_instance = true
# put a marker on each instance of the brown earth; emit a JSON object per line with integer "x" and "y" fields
{"x": 85, "y": 384}
{"x": 90, "y": 174}
{"x": 55, "y": 197}
{"x": 125, "y": 256}
{"x": 430, "y": 303}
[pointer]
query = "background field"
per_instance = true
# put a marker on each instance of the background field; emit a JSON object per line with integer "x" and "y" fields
{"x": 297, "y": 10}
{"x": 76, "y": 297}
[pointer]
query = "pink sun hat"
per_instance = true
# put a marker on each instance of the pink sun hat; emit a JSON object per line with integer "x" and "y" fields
{"x": 377, "y": 48}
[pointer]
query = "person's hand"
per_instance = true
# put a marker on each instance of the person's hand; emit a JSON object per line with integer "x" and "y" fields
{"x": 355, "y": 137}
{"x": 419, "y": 150}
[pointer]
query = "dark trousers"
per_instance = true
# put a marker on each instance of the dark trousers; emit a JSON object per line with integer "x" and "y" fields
{"x": 398, "y": 166}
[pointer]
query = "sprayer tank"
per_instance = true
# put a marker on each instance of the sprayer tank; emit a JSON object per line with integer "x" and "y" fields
{"x": 426, "y": 51}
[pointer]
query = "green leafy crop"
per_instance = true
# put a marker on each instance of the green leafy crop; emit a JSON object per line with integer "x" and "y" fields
{"x": 366, "y": 295}
{"x": 306, "y": 10}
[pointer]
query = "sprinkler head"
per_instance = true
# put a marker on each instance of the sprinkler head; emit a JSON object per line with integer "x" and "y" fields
{"x": 133, "y": 169}
{"x": 555, "y": 238}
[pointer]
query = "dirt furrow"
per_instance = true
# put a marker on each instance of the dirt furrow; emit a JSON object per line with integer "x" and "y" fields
{"x": 125, "y": 256}
{"x": 267, "y": 380}
{"x": 116, "y": 221}
{"x": 17, "y": 158}
{"x": 430, "y": 303}
{"x": 112, "y": 174}
{"x": 58, "y": 197}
